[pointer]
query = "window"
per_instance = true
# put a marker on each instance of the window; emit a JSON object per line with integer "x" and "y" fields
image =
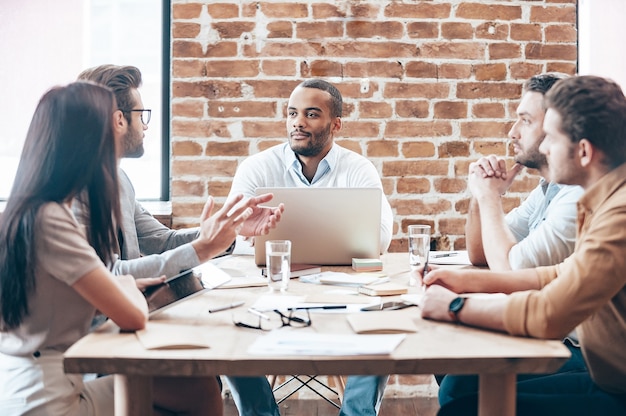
{"x": 601, "y": 31}
{"x": 45, "y": 43}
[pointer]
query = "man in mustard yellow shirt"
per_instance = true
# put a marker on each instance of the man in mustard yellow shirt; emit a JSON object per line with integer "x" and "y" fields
{"x": 585, "y": 144}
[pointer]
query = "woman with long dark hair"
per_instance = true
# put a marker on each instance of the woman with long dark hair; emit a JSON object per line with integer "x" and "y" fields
{"x": 52, "y": 270}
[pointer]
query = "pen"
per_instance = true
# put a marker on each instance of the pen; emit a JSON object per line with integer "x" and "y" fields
{"x": 259, "y": 314}
{"x": 436, "y": 256}
{"x": 225, "y": 307}
{"x": 299, "y": 308}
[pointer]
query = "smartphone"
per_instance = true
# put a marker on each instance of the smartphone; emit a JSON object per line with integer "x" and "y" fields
{"x": 389, "y": 306}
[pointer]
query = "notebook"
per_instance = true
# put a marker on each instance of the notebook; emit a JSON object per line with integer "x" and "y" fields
{"x": 184, "y": 286}
{"x": 326, "y": 226}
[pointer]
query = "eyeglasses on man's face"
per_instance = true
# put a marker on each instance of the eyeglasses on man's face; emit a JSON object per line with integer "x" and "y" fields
{"x": 145, "y": 114}
{"x": 267, "y": 322}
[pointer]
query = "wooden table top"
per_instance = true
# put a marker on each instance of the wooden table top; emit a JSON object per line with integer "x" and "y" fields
{"x": 435, "y": 348}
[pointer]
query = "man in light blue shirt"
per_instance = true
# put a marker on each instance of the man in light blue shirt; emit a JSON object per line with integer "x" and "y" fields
{"x": 542, "y": 230}
{"x": 311, "y": 159}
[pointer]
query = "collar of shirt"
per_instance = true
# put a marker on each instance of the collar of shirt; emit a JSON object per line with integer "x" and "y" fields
{"x": 602, "y": 189}
{"x": 550, "y": 189}
{"x": 326, "y": 165}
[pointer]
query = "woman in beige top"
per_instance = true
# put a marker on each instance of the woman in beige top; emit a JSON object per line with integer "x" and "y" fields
{"x": 52, "y": 271}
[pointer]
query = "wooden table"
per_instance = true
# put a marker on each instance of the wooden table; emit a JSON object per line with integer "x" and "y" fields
{"x": 437, "y": 348}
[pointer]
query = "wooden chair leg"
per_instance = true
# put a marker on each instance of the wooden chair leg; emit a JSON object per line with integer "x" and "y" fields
{"x": 272, "y": 380}
{"x": 340, "y": 385}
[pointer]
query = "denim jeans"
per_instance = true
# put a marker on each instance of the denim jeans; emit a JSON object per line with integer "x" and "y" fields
{"x": 253, "y": 396}
{"x": 363, "y": 395}
{"x": 569, "y": 391}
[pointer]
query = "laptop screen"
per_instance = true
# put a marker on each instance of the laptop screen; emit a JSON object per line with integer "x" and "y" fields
{"x": 326, "y": 226}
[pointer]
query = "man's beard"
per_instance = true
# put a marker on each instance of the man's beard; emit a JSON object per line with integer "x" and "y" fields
{"x": 132, "y": 148}
{"x": 316, "y": 144}
{"x": 532, "y": 159}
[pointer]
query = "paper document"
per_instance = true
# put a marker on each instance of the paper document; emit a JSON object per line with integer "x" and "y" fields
{"x": 414, "y": 298}
{"x": 343, "y": 279}
{"x": 212, "y": 276}
{"x": 295, "y": 342}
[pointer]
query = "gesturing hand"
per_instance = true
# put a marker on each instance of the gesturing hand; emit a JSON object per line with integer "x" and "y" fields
{"x": 262, "y": 219}
{"x": 218, "y": 231}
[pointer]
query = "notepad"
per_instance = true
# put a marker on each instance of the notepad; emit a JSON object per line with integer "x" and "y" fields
{"x": 383, "y": 322}
{"x": 157, "y": 335}
{"x": 383, "y": 289}
{"x": 367, "y": 265}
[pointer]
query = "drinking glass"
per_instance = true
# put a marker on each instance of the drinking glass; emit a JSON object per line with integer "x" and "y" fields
{"x": 278, "y": 263}
{"x": 419, "y": 248}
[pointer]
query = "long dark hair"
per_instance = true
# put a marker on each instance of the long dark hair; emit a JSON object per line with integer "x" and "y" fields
{"x": 69, "y": 151}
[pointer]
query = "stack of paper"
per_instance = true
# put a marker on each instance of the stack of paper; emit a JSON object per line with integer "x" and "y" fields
{"x": 367, "y": 265}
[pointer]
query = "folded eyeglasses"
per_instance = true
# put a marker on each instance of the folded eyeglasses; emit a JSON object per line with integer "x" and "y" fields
{"x": 254, "y": 319}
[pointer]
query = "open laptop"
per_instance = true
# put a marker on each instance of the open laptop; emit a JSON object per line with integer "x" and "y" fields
{"x": 184, "y": 286}
{"x": 326, "y": 226}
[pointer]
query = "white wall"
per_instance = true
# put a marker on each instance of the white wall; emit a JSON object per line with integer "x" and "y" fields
{"x": 602, "y": 34}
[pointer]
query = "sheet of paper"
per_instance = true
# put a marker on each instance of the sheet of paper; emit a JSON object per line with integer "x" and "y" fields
{"x": 343, "y": 279}
{"x": 414, "y": 298}
{"x": 294, "y": 342}
{"x": 337, "y": 298}
{"x": 243, "y": 246}
{"x": 244, "y": 281}
{"x": 212, "y": 276}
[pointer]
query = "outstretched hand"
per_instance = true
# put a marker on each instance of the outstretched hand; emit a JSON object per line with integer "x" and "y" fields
{"x": 262, "y": 219}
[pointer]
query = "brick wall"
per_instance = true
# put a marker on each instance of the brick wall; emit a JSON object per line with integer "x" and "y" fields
{"x": 428, "y": 87}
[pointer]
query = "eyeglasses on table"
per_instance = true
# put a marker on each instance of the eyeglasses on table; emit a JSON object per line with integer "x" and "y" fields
{"x": 275, "y": 319}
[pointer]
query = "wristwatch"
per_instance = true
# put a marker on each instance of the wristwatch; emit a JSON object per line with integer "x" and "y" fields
{"x": 455, "y": 307}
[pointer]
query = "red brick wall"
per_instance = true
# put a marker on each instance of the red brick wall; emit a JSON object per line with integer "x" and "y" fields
{"x": 428, "y": 87}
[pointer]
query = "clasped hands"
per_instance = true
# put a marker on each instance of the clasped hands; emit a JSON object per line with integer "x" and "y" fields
{"x": 489, "y": 176}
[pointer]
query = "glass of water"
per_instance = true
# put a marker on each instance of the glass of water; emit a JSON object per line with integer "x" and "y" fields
{"x": 419, "y": 248}
{"x": 278, "y": 263}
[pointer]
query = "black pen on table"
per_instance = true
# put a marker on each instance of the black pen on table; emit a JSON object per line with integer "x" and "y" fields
{"x": 300, "y": 308}
{"x": 225, "y": 307}
{"x": 437, "y": 256}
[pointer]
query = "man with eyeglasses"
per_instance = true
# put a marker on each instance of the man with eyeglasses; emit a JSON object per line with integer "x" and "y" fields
{"x": 148, "y": 248}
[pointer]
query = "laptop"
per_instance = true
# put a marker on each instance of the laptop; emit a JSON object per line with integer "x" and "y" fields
{"x": 184, "y": 286}
{"x": 326, "y": 226}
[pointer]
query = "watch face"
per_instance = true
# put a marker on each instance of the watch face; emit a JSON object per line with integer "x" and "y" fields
{"x": 456, "y": 304}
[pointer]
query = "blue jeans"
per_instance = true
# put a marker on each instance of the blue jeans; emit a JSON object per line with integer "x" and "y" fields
{"x": 253, "y": 396}
{"x": 363, "y": 395}
{"x": 568, "y": 391}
